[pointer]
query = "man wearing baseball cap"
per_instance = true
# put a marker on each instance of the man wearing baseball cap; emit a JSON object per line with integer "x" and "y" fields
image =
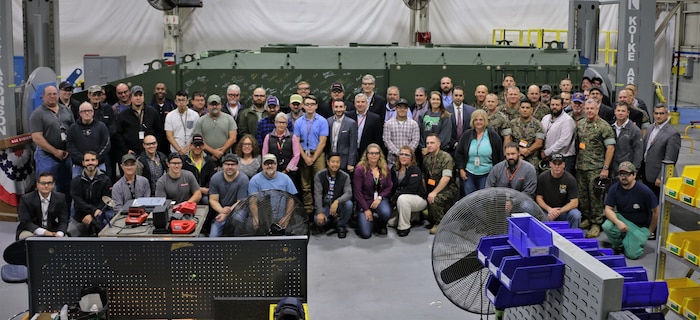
{"x": 200, "y": 164}
{"x": 218, "y": 129}
{"x": 135, "y": 123}
{"x": 296, "y": 111}
{"x": 337, "y": 91}
{"x": 130, "y": 185}
{"x": 267, "y": 124}
{"x": 227, "y": 188}
{"x": 577, "y": 101}
{"x": 557, "y": 193}
{"x": 632, "y": 211}
{"x": 65, "y": 98}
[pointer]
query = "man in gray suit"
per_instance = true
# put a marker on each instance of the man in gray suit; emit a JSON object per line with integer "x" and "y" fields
{"x": 662, "y": 142}
{"x": 342, "y": 136}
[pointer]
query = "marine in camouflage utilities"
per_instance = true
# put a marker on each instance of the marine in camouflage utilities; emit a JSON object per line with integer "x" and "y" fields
{"x": 592, "y": 138}
{"x": 510, "y": 113}
{"x": 525, "y": 134}
{"x": 499, "y": 123}
{"x": 433, "y": 168}
{"x": 540, "y": 111}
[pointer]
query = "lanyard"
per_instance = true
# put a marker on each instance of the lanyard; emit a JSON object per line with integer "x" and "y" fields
{"x": 361, "y": 121}
{"x": 478, "y": 143}
{"x": 511, "y": 176}
{"x": 280, "y": 146}
{"x": 184, "y": 127}
{"x": 309, "y": 125}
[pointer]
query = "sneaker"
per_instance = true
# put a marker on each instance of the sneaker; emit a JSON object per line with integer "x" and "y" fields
{"x": 433, "y": 230}
{"x": 593, "y": 232}
{"x": 585, "y": 224}
{"x": 382, "y": 231}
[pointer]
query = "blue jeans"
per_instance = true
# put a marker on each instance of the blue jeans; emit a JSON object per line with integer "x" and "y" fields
{"x": 61, "y": 170}
{"x": 381, "y": 216}
{"x": 473, "y": 183}
{"x": 342, "y": 218}
{"x": 573, "y": 217}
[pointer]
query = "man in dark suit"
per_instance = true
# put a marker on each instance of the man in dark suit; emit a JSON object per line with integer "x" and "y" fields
{"x": 370, "y": 127}
{"x": 43, "y": 212}
{"x": 662, "y": 142}
{"x": 337, "y": 92}
{"x": 458, "y": 107}
{"x": 343, "y": 136}
{"x": 375, "y": 102}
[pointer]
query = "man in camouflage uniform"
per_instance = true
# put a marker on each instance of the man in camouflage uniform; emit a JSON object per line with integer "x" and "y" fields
{"x": 497, "y": 120}
{"x": 539, "y": 109}
{"x": 438, "y": 167}
{"x": 596, "y": 146}
{"x": 511, "y": 107}
{"x": 528, "y": 133}
{"x": 508, "y": 81}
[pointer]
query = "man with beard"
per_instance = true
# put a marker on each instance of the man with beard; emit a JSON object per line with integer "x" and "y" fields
{"x": 123, "y": 99}
{"x": 337, "y": 92}
{"x": 557, "y": 193}
{"x": 271, "y": 179}
{"x": 49, "y": 125}
{"x": 497, "y": 120}
{"x": 87, "y": 191}
{"x": 86, "y": 135}
{"x": 201, "y": 165}
{"x": 632, "y": 212}
{"x": 248, "y": 118}
{"x": 343, "y": 136}
{"x": 267, "y": 124}
{"x": 177, "y": 184}
{"x": 545, "y": 94}
{"x": 233, "y": 106}
{"x": 528, "y": 133}
{"x": 66, "y": 98}
{"x": 480, "y": 96}
{"x": 629, "y": 144}
{"x": 151, "y": 163}
{"x": 446, "y": 91}
{"x": 135, "y": 123}
{"x": 217, "y": 128}
{"x": 560, "y": 132}
{"x": 422, "y": 105}
{"x": 226, "y": 189}
{"x": 160, "y": 102}
{"x": 577, "y": 101}
{"x": 596, "y": 146}
{"x": 392, "y": 96}
{"x": 513, "y": 173}
{"x": 296, "y": 111}
{"x": 662, "y": 142}
{"x": 179, "y": 124}
{"x": 460, "y": 114}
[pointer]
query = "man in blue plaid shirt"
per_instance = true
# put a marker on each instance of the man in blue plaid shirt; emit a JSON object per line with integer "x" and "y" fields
{"x": 267, "y": 124}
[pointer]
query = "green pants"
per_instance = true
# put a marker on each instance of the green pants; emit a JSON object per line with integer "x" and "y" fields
{"x": 632, "y": 241}
{"x": 590, "y": 200}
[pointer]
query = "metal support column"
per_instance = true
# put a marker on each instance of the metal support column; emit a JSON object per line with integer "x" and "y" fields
{"x": 41, "y": 36}
{"x": 635, "y": 47}
{"x": 583, "y": 28}
{"x": 8, "y": 116}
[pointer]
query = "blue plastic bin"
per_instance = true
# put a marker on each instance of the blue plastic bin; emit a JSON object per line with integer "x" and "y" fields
{"x": 524, "y": 274}
{"x": 585, "y": 243}
{"x": 529, "y": 236}
{"x": 613, "y": 261}
{"x": 557, "y": 225}
{"x": 496, "y": 256}
{"x": 599, "y": 251}
{"x": 485, "y": 245}
{"x": 632, "y": 274}
{"x": 644, "y": 294}
{"x": 502, "y": 298}
{"x": 571, "y": 233}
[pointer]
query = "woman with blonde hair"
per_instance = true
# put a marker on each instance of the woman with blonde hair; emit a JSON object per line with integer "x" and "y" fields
{"x": 371, "y": 187}
{"x": 478, "y": 150}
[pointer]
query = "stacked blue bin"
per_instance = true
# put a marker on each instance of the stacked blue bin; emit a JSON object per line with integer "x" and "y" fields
{"x": 521, "y": 264}
{"x": 637, "y": 292}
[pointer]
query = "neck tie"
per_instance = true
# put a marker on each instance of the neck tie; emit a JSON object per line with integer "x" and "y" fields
{"x": 459, "y": 122}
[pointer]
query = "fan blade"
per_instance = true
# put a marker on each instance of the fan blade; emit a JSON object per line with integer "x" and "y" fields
{"x": 108, "y": 201}
{"x": 460, "y": 269}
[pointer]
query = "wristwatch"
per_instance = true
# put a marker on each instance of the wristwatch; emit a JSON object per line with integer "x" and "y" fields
{"x": 606, "y": 167}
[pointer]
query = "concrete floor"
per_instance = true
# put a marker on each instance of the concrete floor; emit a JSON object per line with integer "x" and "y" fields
{"x": 380, "y": 278}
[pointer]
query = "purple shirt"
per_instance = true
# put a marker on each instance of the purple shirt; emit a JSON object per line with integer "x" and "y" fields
{"x": 364, "y": 187}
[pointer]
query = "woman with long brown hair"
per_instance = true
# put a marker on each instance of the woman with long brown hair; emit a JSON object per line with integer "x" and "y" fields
{"x": 409, "y": 192}
{"x": 436, "y": 120}
{"x": 371, "y": 187}
{"x": 248, "y": 153}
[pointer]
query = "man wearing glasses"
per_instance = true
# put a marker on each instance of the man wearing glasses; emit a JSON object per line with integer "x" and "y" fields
{"x": 233, "y": 105}
{"x": 179, "y": 124}
{"x": 312, "y": 130}
{"x": 124, "y": 98}
{"x": 151, "y": 162}
{"x": 375, "y": 102}
{"x": 303, "y": 88}
{"x": 43, "y": 212}
{"x": 176, "y": 184}
{"x": 66, "y": 98}
{"x": 248, "y": 119}
{"x": 85, "y": 135}
{"x": 632, "y": 212}
{"x": 662, "y": 142}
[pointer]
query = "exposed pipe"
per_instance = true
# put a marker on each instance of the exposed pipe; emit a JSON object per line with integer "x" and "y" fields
{"x": 667, "y": 19}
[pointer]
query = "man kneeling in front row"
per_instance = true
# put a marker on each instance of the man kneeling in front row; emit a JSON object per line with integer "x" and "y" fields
{"x": 632, "y": 212}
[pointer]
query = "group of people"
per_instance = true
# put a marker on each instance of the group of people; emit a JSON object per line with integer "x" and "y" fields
{"x": 381, "y": 160}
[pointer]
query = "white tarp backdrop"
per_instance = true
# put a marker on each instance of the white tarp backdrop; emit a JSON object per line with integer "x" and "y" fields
{"x": 135, "y": 29}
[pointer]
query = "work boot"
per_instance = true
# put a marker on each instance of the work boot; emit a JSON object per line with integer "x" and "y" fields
{"x": 433, "y": 230}
{"x": 593, "y": 232}
{"x": 585, "y": 224}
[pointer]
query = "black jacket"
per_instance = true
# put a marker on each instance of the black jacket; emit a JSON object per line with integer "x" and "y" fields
{"x": 208, "y": 169}
{"x": 29, "y": 213}
{"x": 412, "y": 183}
{"x": 146, "y": 172}
{"x": 88, "y": 137}
{"x": 87, "y": 194}
{"x": 462, "y": 152}
{"x": 128, "y": 127}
